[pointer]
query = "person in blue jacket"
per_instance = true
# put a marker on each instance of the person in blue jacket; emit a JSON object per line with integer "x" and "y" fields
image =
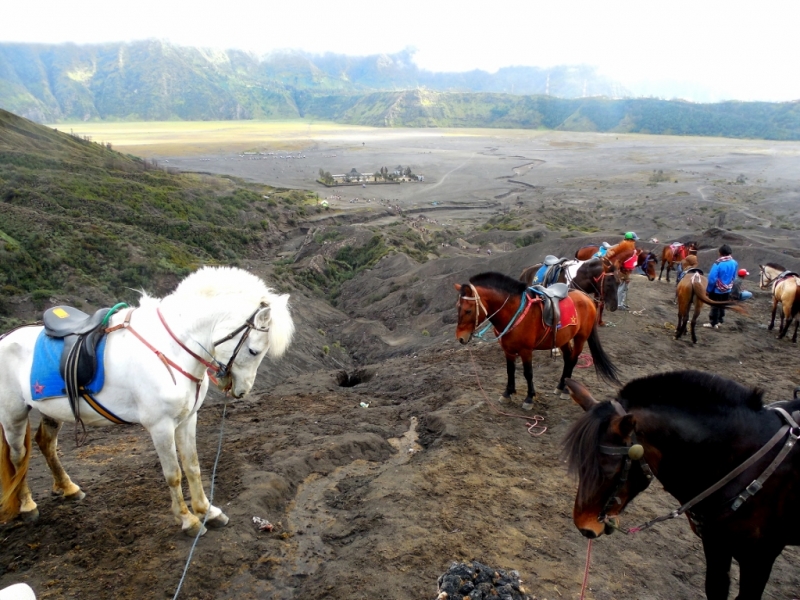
{"x": 720, "y": 284}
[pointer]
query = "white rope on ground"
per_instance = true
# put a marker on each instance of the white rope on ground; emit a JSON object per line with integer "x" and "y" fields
{"x": 210, "y": 502}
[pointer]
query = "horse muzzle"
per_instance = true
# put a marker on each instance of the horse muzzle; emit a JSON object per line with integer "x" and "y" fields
{"x": 464, "y": 337}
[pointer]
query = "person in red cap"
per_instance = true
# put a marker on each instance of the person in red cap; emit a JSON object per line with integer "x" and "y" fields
{"x": 737, "y": 293}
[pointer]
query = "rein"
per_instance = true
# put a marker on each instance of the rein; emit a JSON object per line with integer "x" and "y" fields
{"x": 791, "y": 427}
{"x": 478, "y": 307}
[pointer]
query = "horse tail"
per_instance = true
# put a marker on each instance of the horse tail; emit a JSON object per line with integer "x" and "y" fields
{"x": 11, "y": 477}
{"x": 281, "y": 328}
{"x": 698, "y": 289}
{"x": 603, "y": 366}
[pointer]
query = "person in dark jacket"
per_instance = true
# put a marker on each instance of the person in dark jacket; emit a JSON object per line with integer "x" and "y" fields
{"x": 720, "y": 284}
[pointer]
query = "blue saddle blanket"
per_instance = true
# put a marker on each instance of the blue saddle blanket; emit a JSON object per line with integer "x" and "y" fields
{"x": 46, "y": 381}
{"x": 541, "y": 275}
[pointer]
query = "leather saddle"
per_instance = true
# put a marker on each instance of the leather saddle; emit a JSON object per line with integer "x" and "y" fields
{"x": 551, "y": 296}
{"x": 554, "y": 266}
{"x": 81, "y": 334}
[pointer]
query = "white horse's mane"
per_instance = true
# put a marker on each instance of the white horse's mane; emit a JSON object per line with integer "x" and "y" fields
{"x": 213, "y": 282}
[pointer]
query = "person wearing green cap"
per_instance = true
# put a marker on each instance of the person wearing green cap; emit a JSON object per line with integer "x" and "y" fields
{"x": 625, "y": 275}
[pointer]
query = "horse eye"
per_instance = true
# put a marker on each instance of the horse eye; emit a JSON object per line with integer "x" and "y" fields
{"x": 252, "y": 352}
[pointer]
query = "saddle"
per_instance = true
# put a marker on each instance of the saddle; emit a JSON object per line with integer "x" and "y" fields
{"x": 551, "y": 297}
{"x": 553, "y": 267}
{"x": 81, "y": 334}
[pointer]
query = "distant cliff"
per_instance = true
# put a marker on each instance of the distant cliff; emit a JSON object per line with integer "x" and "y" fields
{"x": 153, "y": 80}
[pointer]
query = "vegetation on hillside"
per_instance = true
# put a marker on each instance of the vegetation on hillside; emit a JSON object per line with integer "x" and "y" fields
{"x": 89, "y": 224}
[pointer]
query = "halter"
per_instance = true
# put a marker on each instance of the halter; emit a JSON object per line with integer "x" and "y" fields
{"x": 791, "y": 427}
{"x": 480, "y": 306}
{"x": 215, "y": 369}
{"x": 772, "y": 280}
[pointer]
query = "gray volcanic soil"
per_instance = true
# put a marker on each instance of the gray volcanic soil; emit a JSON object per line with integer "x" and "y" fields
{"x": 376, "y": 502}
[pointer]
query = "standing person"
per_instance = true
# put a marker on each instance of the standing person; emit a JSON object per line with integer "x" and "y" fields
{"x": 625, "y": 270}
{"x": 737, "y": 293}
{"x": 720, "y": 284}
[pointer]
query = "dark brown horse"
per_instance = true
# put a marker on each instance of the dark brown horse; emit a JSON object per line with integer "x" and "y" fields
{"x": 692, "y": 289}
{"x": 670, "y": 257}
{"x": 497, "y": 298}
{"x": 589, "y": 276}
{"x": 647, "y": 262}
{"x": 694, "y": 432}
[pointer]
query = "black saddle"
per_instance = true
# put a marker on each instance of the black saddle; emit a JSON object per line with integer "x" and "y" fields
{"x": 81, "y": 334}
{"x": 694, "y": 270}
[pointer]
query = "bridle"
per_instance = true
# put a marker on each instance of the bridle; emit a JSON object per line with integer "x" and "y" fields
{"x": 215, "y": 370}
{"x": 630, "y": 452}
{"x": 634, "y": 451}
{"x": 479, "y": 306}
{"x": 650, "y": 257}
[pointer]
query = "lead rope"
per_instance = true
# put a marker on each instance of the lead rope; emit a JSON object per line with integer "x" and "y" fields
{"x": 586, "y": 570}
{"x": 210, "y": 502}
{"x": 537, "y": 420}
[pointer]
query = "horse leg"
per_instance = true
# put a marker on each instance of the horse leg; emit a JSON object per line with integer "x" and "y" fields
{"x": 510, "y": 386}
{"x": 754, "y": 570}
{"x": 663, "y": 262}
{"x": 570, "y": 354}
{"x": 796, "y": 324}
{"x": 774, "y": 310}
{"x": 47, "y": 439}
{"x": 718, "y": 567}
{"x": 698, "y": 306}
{"x": 786, "y": 315}
{"x": 163, "y": 435}
{"x": 15, "y": 454}
{"x": 185, "y": 436}
{"x": 527, "y": 369}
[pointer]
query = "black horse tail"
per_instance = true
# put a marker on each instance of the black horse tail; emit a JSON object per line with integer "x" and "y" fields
{"x": 603, "y": 366}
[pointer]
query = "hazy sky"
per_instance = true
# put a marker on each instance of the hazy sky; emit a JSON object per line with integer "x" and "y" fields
{"x": 747, "y": 51}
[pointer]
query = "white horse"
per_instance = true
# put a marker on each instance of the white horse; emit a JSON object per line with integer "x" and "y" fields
{"x": 217, "y": 325}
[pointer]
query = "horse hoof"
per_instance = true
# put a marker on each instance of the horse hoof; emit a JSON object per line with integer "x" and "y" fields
{"x": 219, "y": 521}
{"x": 29, "y": 516}
{"x": 195, "y": 530}
{"x": 507, "y": 395}
{"x": 565, "y": 396}
{"x": 527, "y": 405}
{"x": 76, "y": 497}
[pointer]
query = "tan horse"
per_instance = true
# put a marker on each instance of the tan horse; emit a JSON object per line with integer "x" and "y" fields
{"x": 784, "y": 291}
{"x": 692, "y": 289}
{"x": 669, "y": 258}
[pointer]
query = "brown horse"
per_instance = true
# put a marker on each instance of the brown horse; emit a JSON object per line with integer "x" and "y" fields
{"x": 502, "y": 301}
{"x": 669, "y": 258}
{"x": 647, "y": 261}
{"x": 784, "y": 291}
{"x": 712, "y": 444}
{"x": 616, "y": 255}
{"x": 692, "y": 288}
{"x": 589, "y": 277}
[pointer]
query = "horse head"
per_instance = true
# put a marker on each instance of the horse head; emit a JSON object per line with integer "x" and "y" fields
{"x": 768, "y": 273}
{"x": 471, "y": 311}
{"x": 648, "y": 262}
{"x": 611, "y": 280}
{"x": 601, "y": 450}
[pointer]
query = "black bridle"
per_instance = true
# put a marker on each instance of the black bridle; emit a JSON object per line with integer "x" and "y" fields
{"x": 634, "y": 451}
{"x": 248, "y": 326}
{"x": 630, "y": 452}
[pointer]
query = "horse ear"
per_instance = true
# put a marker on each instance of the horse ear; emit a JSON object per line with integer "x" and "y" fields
{"x": 580, "y": 394}
{"x": 457, "y": 286}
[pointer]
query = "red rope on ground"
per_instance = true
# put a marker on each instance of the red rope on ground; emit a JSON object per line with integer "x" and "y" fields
{"x": 586, "y": 570}
{"x": 537, "y": 419}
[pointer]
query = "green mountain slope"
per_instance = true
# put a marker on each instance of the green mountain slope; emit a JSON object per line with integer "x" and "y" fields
{"x": 153, "y": 80}
{"x": 91, "y": 223}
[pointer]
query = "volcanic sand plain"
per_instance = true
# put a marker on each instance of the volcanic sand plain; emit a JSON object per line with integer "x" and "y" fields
{"x": 382, "y": 460}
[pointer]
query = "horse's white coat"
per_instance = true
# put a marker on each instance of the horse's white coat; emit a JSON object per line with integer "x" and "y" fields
{"x": 206, "y": 306}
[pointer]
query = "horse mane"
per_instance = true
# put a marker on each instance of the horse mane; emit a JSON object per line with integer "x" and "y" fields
{"x": 694, "y": 391}
{"x": 212, "y": 282}
{"x": 580, "y": 448}
{"x": 498, "y": 281}
{"x": 775, "y": 266}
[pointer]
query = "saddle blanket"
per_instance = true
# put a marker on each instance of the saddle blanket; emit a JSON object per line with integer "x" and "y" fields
{"x": 46, "y": 381}
{"x": 541, "y": 274}
{"x": 569, "y": 316}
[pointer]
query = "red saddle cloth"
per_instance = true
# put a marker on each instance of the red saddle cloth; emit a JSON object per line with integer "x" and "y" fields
{"x": 569, "y": 315}
{"x": 678, "y": 251}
